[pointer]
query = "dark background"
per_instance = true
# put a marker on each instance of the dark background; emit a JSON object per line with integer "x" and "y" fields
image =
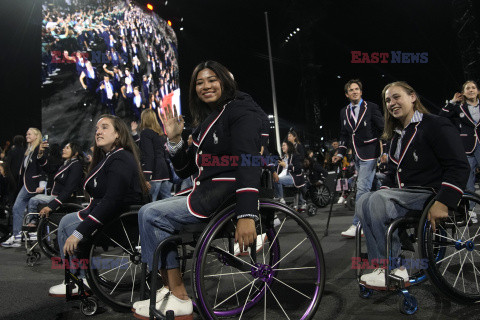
{"x": 311, "y": 69}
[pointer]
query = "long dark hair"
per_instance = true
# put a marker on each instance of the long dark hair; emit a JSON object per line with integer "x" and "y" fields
{"x": 199, "y": 110}
{"x": 124, "y": 141}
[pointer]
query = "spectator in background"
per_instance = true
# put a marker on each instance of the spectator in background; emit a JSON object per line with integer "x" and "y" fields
{"x": 14, "y": 158}
{"x": 154, "y": 156}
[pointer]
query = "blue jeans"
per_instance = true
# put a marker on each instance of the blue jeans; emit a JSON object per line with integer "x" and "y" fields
{"x": 365, "y": 175}
{"x": 160, "y": 220}
{"x": 33, "y": 204}
{"x": 474, "y": 161}
{"x": 67, "y": 225}
{"x": 162, "y": 188}
{"x": 19, "y": 207}
{"x": 287, "y": 181}
{"x": 377, "y": 209}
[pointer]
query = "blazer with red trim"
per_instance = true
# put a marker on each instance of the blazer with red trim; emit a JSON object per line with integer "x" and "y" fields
{"x": 294, "y": 169}
{"x": 232, "y": 134}
{"x": 154, "y": 156}
{"x": 32, "y": 172}
{"x": 463, "y": 121}
{"x": 362, "y": 137}
{"x": 431, "y": 157}
{"x": 66, "y": 181}
{"x": 112, "y": 185}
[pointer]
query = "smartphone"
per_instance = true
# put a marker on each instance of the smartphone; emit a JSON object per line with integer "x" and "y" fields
{"x": 45, "y": 137}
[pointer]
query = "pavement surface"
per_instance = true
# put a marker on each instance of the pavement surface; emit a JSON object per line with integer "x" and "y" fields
{"x": 24, "y": 289}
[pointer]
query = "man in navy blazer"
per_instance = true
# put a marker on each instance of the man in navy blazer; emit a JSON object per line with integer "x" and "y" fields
{"x": 107, "y": 93}
{"x": 361, "y": 127}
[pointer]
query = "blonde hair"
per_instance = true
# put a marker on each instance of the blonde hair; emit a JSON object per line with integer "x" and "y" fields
{"x": 391, "y": 123}
{"x": 149, "y": 121}
{"x": 31, "y": 146}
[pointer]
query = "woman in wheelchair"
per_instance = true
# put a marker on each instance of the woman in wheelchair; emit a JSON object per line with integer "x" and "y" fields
{"x": 227, "y": 136}
{"x": 115, "y": 180}
{"x": 66, "y": 181}
{"x": 425, "y": 159}
{"x": 289, "y": 172}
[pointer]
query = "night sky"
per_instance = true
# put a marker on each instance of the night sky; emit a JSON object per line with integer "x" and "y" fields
{"x": 233, "y": 33}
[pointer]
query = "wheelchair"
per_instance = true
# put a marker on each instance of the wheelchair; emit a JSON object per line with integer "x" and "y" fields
{"x": 283, "y": 277}
{"x": 46, "y": 233}
{"x": 448, "y": 257}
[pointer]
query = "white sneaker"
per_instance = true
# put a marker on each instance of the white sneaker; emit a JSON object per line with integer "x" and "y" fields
{"x": 161, "y": 293}
{"x": 473, "y": 216}
{"x": 303, "y": 207}
{"x": 181, "y": 308}
{"x": 260, "y": 240}
{"x": 13, "y": 241}
{"x": 376, "y": 279}
{"x": 341, "y": 200}
{"x": 281, "y": 200}
{"x": 350, "y": 232}
{"x": 276, "y": 222}
{"x": 60, "y": 290}
{"x": 32, "y": 236}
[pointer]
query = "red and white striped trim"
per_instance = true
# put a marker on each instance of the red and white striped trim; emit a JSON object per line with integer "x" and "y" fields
{"x": 265, "y": 135}
{"x": 224, "y": 179}
{"x": 33, "y": 177}
{"x": 160, "y": 180}
{"x": 211, "y": 124}
{"x": 467, "y": 115}
{"x": 370, "y": 140}
{"x": 384, "y": 187}
{"x": 58, "y": 201}
{"x": 182, "y": 192}
{"x": 94, "y": 219}
{"x": 446, "y": 110}
{"x": 454, "y": 187}
{"x": 147, "y": 171}
{"x": 195, "y": 143}
{"x": 247, "y": 190}
{"x": 63, "y": 170}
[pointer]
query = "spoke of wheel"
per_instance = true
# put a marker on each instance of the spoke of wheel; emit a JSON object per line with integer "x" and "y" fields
{"x": 226, "y": 274}
{"x": 472, "y": 260}
{"x": 263, "y": 241}
{"x": 112, "y": 255}
{"x": 238, "y": 291}
{"x": 118, "y": 244}
{"x": 218, "y": 286}
{"x": 118, "y": 270}
{"x": 49, "y": 234}
{"x": 236, "y": 257}
{"x": 246, "y": 300}
{"x": 442, "y": 236}
{"x": 289, "y": 269}
{"x": 473, "y": 238}
{"x": 292, "y": 288}
{"x": 101, "y": 275}
{"x": 278, "y": 302}
{"x": 463, "y": 279}
{"x": 126, "y": 235}
{"x": 276, "y": 235}
{"x": 289, "y": 253}
{"x": 120, "y": 279}
{"x": 133, "y": 284}
{"x": 461, "y": 267}
{"x": 265, "y": 301}
{"x": 445, "y": 258}
{"x": 235, "y": 287}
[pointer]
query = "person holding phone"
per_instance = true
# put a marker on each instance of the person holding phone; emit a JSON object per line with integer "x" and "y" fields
{"x": 227, "y": 122}
{"x": 30, "y": 172}
{"x": 464, "y": 112}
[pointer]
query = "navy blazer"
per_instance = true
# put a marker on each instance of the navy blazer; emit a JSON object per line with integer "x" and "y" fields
{"x": 32, "y": 172}
{"x": 294, "y": 169}
{"x": 154, "y": 156}
{"x": 233, "y": 134}
{"x": 104, "y": 97}
{"x": 431, "y": 157}
{"x": 463, "y": 121}
{"x": 65, "y": 182}
{"x": 364, "y": 136}
{"x": 112, "y": 185}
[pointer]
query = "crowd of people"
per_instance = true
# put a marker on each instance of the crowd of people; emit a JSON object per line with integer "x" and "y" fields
{"x": 125, "y": 58}
{"x": 422, "y": 153}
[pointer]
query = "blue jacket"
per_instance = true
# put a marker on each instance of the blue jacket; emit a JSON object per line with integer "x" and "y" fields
{"x": 66, "y": 181}
{"x": 154, "y": 156}
{"x": 32, "y": 172}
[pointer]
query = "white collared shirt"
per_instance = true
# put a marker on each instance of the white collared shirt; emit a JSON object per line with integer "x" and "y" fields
{"x": 417, "y": 117}
{"x": 474, "y": 111}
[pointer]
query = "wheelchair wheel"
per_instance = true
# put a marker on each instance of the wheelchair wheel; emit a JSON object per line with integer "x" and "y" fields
{"x": 262, "y": 284}
{"x": 320, "y": 195}
{"x": 114, "y": 270}
{"x": 453, "y": 253}
{"x": 47, "y": 234}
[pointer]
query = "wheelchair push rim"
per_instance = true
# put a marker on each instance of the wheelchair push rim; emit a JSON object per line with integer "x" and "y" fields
{"x": 453, "y": 253}
{"x": 248, "y": 289}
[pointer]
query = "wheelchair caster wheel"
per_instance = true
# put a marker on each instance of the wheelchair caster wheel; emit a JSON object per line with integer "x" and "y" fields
{"x": 408, "y": 305}
{"x": 365, "y": 293}
{"x": 312, "y": 210}
{"x": 89, "y": 306}
{"x": 33, "y": 258}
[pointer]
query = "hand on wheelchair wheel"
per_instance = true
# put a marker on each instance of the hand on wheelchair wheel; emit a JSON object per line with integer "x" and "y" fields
{"x": 437, "y": 211}
{"x": 245, "y": 234}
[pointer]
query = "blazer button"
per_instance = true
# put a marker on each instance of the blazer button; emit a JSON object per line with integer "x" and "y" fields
{"x": 200, "y": 152}
{"x": 401, "y": 184}
{"x": 201, "y": 168}
{"x": 197, "y": 183}
{"x": 400, "y": 170}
